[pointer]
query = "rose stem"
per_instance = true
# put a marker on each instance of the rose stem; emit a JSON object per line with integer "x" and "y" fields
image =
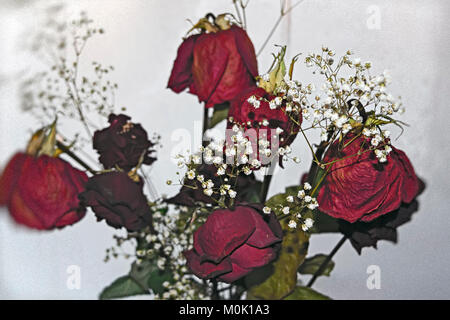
{"x": 266, "y": 182}
{"x": 326, "y": 261}
{"x": 205, "y": 125}
{"x": 265, "y": 187}
{"x": 74, "y": 157}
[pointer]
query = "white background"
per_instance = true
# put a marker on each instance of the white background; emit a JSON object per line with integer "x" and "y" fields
{"x": 141, "y": 41}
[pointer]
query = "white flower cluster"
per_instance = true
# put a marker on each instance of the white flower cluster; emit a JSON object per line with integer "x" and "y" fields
{"x": 331, "y": 107}
{"x": 165, "y": 246}
{"x": 295, "y": 207}
{"x": 379, "y": 141}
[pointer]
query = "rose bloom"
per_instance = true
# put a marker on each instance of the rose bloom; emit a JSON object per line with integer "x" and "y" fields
{"x": 264, "y": 120}
{"x": 232, "y": 243}
{"x": 367, "y": 234}
{"x": 215, "y": 66}
{"x": 42, "y": 192}
{"x": 113, "y": 196}
{"x": 360, "y": 188}
{"x": 123, "y": 143}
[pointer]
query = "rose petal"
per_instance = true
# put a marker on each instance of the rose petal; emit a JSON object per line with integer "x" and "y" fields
{"x": 206, "y": 270}
{"x": 181, "y": 75}
{"x": 223, "y": 232}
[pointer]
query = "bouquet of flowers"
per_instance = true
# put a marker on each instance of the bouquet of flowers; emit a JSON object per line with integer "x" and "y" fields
{"x": 220, "y": 236}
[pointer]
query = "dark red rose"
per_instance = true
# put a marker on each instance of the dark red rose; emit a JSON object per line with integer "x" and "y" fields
{"x": 232, "y": 243}
{"x": 367, "y": 234}
{"x": 360, "y": 188}
{"x": 113, "y": 196}
{"x": 42, "y": 192}
{"x": 192, "y": 192}
{"x": 123, "y": 143}
{"x": 215, "y": 66}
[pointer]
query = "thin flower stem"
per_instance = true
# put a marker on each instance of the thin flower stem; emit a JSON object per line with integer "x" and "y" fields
{"x": 277, "y": 23}
{"x": 274, "y": 28}
{"x": 238, "y": 13}
{"x": 326, "y": 261}
{"x": 310, "y": 147}
{"x": 74, "y": 157}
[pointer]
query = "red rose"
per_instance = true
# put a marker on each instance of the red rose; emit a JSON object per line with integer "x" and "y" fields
{"x": 42, "y": 192}
{"x": 123, "y": 143}
{"x": 215, "y": 66}
{"x": 113, "y": 196}
{"x": 360, "y": 188}
{"x": 232, "y": 243}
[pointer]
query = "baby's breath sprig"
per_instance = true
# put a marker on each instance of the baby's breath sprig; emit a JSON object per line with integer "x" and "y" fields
{"x": 298, "y": 208}
{"x": 60, "y": 89}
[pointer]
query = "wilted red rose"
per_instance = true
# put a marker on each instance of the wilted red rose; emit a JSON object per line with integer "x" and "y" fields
{"x": 113, "y": 196}
{"x": 367, "y": 234}
{"x": 215, "y": 66}
{"x": 123, "y": 143}
{"x": 360, "y": 188}
{"x": 42, "y": 192}
{"x": 232, "y": 243}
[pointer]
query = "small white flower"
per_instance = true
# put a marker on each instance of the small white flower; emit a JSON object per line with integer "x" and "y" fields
{"x": 232, "y": 194}
{"x": 267, "y": 210}
{"x": 208, "y": 192}
{"x": 301, "y": 194}
{"x": 272, "y": 105}
{"x": 256, "y": 163}
{"x": 308, "y": 199}
{"x": 221, "y": 171}
{"x": 292, "y": 224}
{"x": 309, "y": 222}
{"x": 286, "y": 210}
{"x": 290, "y": 199}
{"x": 191, "y": 174}
{"x": 201, "y": 178}
{"x": 307, "y": 186}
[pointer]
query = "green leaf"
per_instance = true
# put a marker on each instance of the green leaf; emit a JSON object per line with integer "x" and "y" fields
{"x": 122, "y": 287}
{"x": 312, "y": 265}
{"x": 220, "y": 113}
{"x": 148, "y": 276}
{"x": 305, "y": 293}
{"x": 278, "y": 279}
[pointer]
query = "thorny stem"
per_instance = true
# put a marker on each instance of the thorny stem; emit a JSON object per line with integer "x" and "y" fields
{"x": 326, "y": 261}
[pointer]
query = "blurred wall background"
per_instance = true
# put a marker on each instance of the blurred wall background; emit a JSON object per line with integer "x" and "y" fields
{"x": 142, "y": 36}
